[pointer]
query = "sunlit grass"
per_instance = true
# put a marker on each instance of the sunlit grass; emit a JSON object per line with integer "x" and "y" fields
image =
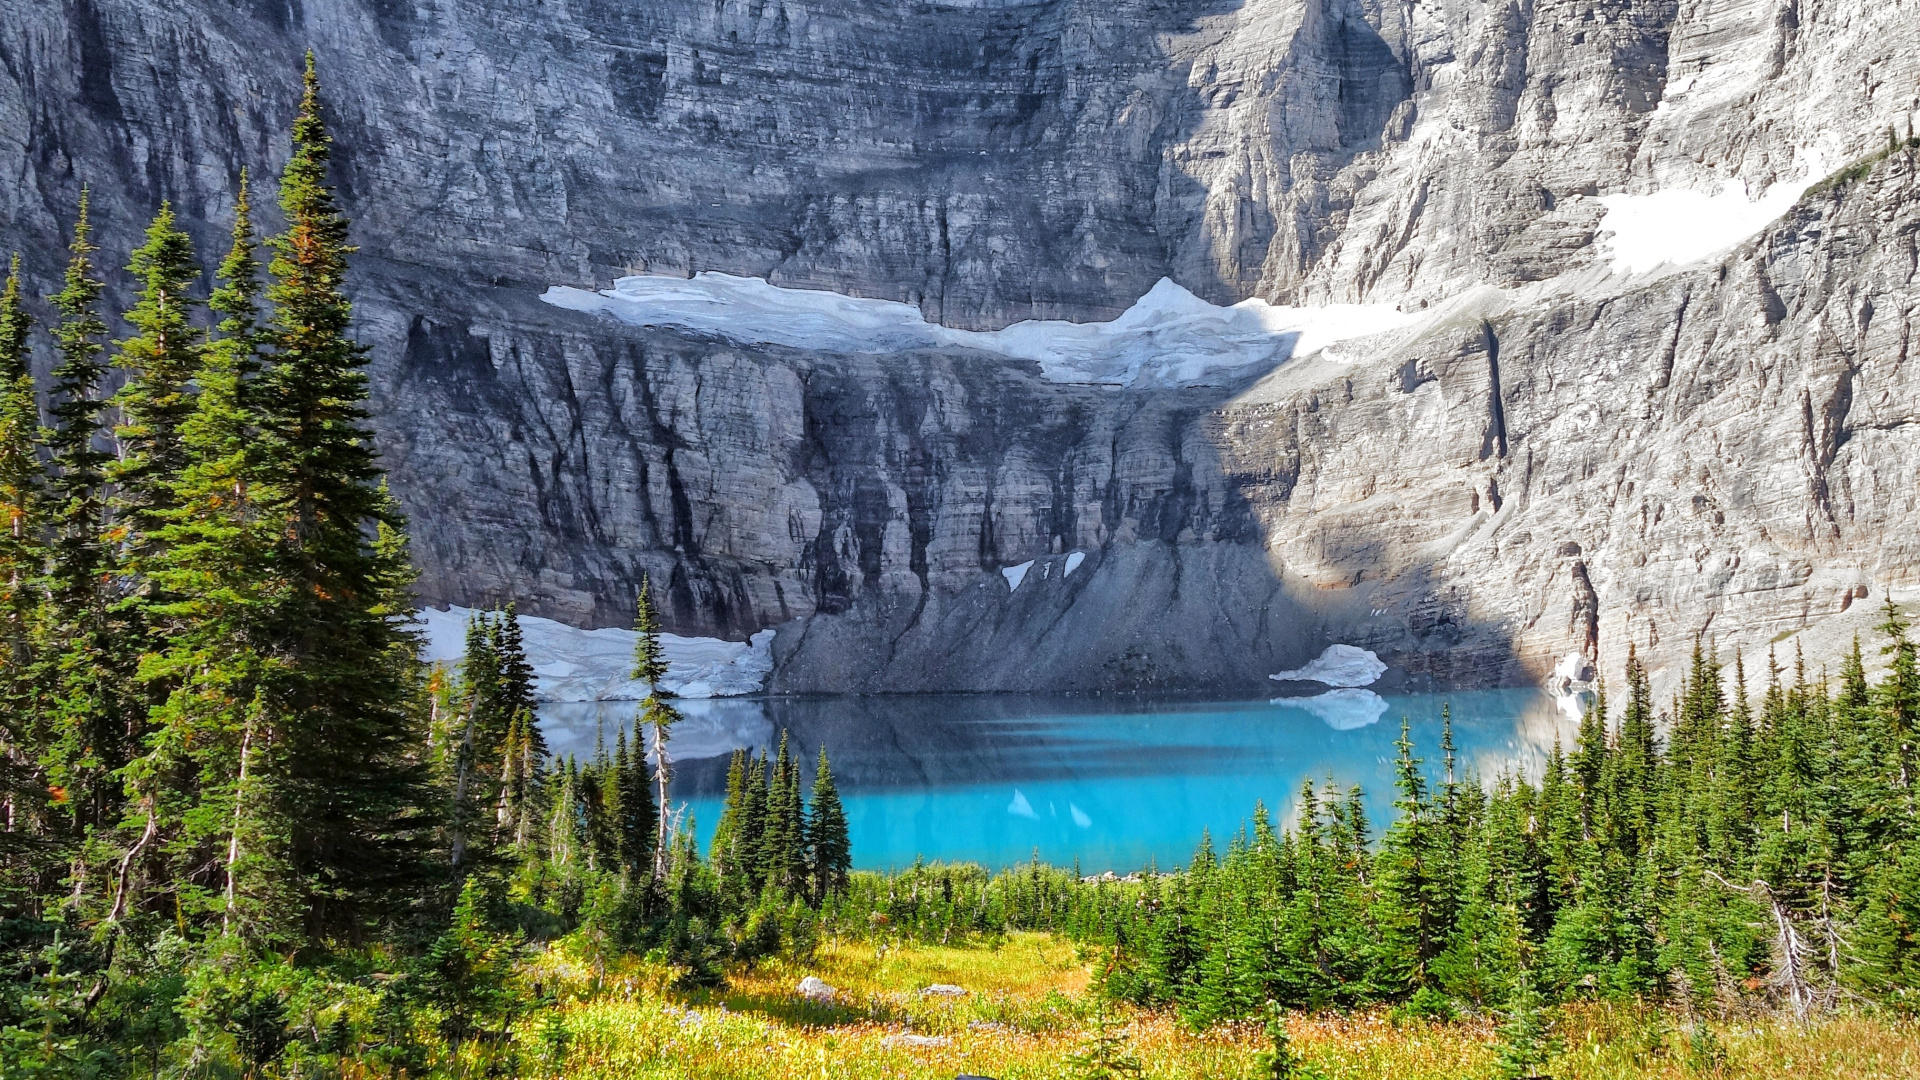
{"x": 1027, "y": 1008}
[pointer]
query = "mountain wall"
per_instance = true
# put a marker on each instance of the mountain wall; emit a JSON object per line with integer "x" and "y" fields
{"x": 1566, "y": 456}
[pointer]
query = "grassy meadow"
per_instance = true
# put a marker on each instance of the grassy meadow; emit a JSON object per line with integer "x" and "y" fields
{"x": 1027, "y": 1011}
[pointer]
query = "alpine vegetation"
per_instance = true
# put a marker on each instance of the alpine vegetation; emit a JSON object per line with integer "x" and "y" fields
{"x": 243, "y": 827}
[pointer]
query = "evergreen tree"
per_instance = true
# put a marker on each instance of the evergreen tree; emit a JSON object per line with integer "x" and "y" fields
{"x": 161, "y": 361}
{"x": 783, "y": 854}
{"x": 638, "y": 819}
{"x": 723, "y": 852}
{"x": 207, "y": 567}
{"x": 1413, "y": 891}
{"x": 657, "y": 716}
{"x": 91, "y": 738}
{"x": 827, "y": 836}
{"x": 351, "y": 794}
{"x": 21, "y": 489}
{"x": 468, "y": 971}
{"x": 1526, "y": 1039}
{"x": 22, "y": 798}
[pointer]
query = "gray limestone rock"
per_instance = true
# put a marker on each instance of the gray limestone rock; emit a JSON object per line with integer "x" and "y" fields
{"x": 1562, "y": 460}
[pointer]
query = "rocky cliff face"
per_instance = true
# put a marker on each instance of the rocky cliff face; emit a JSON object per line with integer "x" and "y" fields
{"x": 1563, "y": 458}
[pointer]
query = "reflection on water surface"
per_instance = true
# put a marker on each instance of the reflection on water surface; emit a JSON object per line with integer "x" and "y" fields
{"x": 1113, "y": 783}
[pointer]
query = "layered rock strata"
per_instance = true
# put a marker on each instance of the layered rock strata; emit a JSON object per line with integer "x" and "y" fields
{"x": 1561, "y": 460}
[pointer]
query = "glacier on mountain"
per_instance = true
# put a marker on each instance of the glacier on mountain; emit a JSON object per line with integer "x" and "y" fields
{"x": 1168, "y": 337}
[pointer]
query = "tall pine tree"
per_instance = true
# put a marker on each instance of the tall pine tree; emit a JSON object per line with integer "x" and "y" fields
{"x": 343, "y": 683}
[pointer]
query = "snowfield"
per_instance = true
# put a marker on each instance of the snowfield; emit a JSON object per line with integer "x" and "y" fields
{"x": 1169, "y": 337}
{"x": 570, "y": 664}
{"x": 1338, "y": 665}
{"x": 1679, "y": 226}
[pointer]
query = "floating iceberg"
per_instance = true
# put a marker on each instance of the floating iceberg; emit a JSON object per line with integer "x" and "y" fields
{"x": 1169, "y": 337}
{"x": 1342, "y": 710}
{"x": 1338, "y": 665}
{"x": 570, "y": 664}
{"x": 1020, "y": 807}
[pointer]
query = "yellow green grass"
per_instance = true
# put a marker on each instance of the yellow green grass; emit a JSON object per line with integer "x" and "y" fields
{"x": 1028, "y": 1009}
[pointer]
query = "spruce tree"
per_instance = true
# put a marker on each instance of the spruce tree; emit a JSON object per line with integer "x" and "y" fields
{"x": 208, "y": 571}
{"x": 783, "y": 845}
{"x": 89, "y": 739}
{"x": 21, "y": 484}
{"x": 1413, "y": 892}
{"x": 1527, "y": 1041}
{"x": 22, "y": 793}
{"x": 353, "y": 802}
{"x": 827, "y": 840}
{"x": 638, "y": 819}
{"x": 721, "y": 851}
{"x": 161, "y": 360}
{"x": 657, "y": 716}
{"x": 750, "y": 835}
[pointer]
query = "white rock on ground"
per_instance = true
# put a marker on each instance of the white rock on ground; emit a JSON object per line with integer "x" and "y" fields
{"x": 814, "y": 988}
{"x": 910, "y": 1039}
{"x": 944, "y": 990}
{"x": 1338, "y": 665}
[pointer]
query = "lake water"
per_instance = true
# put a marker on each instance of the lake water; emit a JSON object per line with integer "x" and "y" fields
{"x": 1114, "y": 783}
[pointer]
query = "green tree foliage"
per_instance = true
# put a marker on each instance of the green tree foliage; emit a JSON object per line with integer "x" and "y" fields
{"x": 827, "y": 845}
{"x": 22, "y": 558}
{"x": 228, "y": 785}
{"x": 344, "y": 679}
{"x": 656, "y": 716}
{"x": 466, "y": 976}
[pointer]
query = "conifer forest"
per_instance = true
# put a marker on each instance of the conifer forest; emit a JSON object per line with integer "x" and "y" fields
{"x": 248, "y": 832}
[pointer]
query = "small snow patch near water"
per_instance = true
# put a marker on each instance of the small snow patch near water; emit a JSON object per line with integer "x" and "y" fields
{"x": 1074, "y": 559}
{"x": 1338, "y": 665}
{"x": 1169, "y": 337}
{"x": 570, "y": 664}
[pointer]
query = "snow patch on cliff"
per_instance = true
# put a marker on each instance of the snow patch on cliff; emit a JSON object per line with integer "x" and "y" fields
{"x": 1169, "y": 337}
{"x": 1016, "y": 574}
{"x": 1338, "y": 665}
{"x": 570, "y": 664}
{"x": 1679, "y": 226}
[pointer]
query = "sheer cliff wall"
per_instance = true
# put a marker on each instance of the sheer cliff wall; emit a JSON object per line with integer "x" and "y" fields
{"x": 1569, "y": 460}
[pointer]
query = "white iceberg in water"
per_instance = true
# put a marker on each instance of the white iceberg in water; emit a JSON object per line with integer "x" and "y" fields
{"x": 1339, "y": 665}
{"x": 1080, "y": 817}
{"x": 1020, "y": 807}
{"x": 1342, "y": 710}
{"x": 1169, "y": 337}
{"x": 571, "y": 664}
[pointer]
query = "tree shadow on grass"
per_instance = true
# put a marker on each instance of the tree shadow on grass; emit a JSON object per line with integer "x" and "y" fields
{"x": 799, "y": 1012}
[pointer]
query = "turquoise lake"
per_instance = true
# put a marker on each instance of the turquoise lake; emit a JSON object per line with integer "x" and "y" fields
{"x": 1113, "y": 783}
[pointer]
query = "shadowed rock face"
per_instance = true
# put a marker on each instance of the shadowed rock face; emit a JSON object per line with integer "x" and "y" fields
{"x": 1547, "y": 470}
